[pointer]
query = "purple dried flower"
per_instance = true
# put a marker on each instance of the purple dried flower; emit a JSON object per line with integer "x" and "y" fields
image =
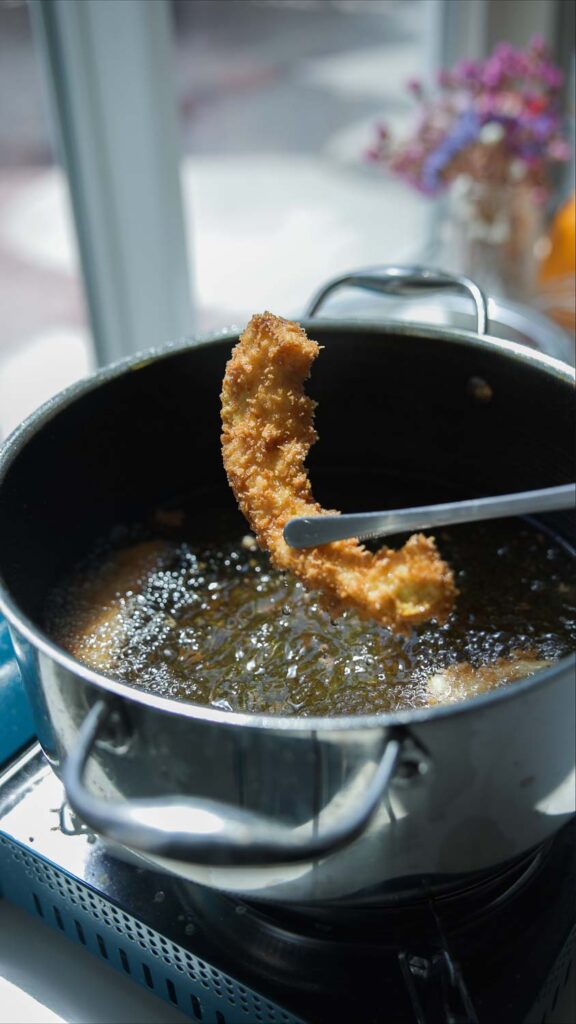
{"x": 464, "y": 133}
{"x": 467, "y": 71}
{"x": 502, "y": 110}
{"x": 541, "y": 128}
{"x": 414, "y": 85}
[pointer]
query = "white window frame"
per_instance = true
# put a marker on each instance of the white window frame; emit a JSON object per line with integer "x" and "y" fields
{"x": 110, "y": 69}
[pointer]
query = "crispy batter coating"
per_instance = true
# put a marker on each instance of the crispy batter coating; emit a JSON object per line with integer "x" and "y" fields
{"x": 461, "y": 681}
{"x": 267, "y": 432}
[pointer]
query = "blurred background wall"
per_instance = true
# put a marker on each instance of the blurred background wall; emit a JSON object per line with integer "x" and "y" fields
{"x": 170, "y": 167}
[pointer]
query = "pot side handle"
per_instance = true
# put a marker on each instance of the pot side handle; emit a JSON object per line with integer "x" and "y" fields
{"x": 405, "y": 281}
{"x": 207, "y": 831}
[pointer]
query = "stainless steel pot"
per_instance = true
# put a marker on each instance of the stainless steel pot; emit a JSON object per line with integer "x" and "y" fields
{"x": 508, "y": 320}
{"x": 351, "y": 809}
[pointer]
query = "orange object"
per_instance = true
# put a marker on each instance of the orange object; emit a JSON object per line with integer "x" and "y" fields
{"x": 557, "y": 274}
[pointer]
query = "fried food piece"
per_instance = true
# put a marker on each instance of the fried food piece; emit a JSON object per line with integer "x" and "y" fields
{"x": 459, "y": 682}
{"x": 267, "y": 432}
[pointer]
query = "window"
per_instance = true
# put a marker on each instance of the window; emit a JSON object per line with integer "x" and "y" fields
{"x": 277, "y": 104}
{"x": 44, "y": 338}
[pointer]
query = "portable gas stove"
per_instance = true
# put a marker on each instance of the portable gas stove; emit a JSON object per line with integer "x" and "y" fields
{"x": 498, "y": 952}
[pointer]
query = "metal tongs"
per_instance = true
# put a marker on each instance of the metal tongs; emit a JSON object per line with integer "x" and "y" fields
{"x": 311, "y": 531}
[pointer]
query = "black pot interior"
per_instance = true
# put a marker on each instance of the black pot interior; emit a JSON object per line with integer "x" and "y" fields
{"x": 401, "y": 419}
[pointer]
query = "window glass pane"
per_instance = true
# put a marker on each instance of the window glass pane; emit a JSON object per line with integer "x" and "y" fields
{"x": 278, "y": 102}
{"x": 44, "y": 339}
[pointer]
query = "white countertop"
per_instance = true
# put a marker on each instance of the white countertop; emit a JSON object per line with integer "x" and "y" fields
{"x": 46, "y": 979}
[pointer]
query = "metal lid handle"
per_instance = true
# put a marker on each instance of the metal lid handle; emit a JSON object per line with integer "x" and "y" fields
{"x": 405, "y": 281}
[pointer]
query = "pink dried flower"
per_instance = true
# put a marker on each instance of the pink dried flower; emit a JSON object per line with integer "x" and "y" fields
{"x": 492, "y": 74}
{"x": 559, "y": 150}
{"x": 538, "y": 44}
{"x": 513, "y": 91}
{"x": 551, "y": 76}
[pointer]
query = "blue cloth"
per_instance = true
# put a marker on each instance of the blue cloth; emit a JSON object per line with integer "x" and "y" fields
{"x": 16, "y": 727}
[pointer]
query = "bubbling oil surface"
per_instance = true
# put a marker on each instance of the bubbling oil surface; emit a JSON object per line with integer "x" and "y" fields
{"x": 220, "y": 627}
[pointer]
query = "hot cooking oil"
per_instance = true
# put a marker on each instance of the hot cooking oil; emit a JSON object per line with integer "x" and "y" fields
{"x": 219, "y": 626}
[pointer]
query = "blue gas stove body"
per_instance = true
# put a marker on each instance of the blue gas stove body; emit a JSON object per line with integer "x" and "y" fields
{"x": 128, "y": 916}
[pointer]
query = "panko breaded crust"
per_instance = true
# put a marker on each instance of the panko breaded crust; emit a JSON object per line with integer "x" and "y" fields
{"x": 267, "y": 431}
{"x": 462, "y": 681}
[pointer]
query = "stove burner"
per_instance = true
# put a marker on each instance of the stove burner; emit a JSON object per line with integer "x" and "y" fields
{"x": 445, "y": 956}
{"x": 496, "y": 950}
{"x": 282, "y": 939}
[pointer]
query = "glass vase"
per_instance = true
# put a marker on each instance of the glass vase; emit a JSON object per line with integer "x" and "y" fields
{"x": 492, "y": 233}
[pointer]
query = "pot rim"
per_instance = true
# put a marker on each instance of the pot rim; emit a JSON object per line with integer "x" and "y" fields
{"x": 33, "y": 423}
